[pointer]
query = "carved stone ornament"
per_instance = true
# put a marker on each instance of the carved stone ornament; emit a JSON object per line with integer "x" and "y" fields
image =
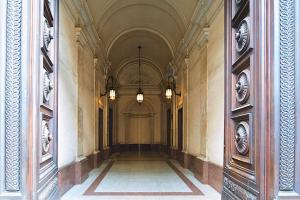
{"x": 46, "y": 137}
{"x": 242, "y": 35}
{"x": 47, "y": 34}
{"x": 242, "y": 138}
{"x": 242, "y": 87}
{"x": 47, "y": 87}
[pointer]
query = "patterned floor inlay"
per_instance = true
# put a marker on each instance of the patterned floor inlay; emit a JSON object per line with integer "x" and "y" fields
{"x": 131, "y": 177}
{"x": 141, "y": 176}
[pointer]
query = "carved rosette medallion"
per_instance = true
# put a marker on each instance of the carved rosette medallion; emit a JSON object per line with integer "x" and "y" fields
{"x": 242, "y": 35}
{"x": 242, "y": 138}
{"x": 47, "y": 87}
{"x": 47, "y": 34}
{"x": 46, "y": 137}
{"x": 242, "y": 87}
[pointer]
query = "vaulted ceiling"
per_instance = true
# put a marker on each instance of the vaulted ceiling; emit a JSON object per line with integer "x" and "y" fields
{"x": 156, "y": 25}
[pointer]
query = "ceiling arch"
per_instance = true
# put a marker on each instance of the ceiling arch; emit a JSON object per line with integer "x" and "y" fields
{"x": 135, "y": 108}
{"x": 170, "y": 17}
{"x": 128, "y": 75}
{"x": 157, "y": 25}
{"x": 170, "y": 44}
{"x": 154, "y": 48}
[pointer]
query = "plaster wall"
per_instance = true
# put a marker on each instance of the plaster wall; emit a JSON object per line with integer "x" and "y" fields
{"x": 67, "y": 90}
{"x": 86, "y": 103}
{"x": 197, "y": 91}
{"x": 201, "y": 81}
{"x": 215, "y": 95}
{"x": 76, "y": 93}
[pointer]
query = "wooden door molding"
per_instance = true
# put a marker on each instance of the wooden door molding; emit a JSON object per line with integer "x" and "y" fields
{"x": 101, "y": 129}
{"x": 245, "y": 105}
{"x": 47, "y": 154}
{"x": 169, "y": 128}
{"x": 261, "y": 114}
{"x": 28, "y": 116}
{"x": 180, "y": 129}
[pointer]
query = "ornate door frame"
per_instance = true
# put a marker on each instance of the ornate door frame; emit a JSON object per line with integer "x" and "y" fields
{"x": 262, "y": 123}
{"x": 28, "y": 117}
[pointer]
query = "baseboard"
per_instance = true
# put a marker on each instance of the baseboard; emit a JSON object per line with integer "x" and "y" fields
{"x": 77, "y": 172}
{"x": 136, "y": 147}
{"x": 204, "y": 171}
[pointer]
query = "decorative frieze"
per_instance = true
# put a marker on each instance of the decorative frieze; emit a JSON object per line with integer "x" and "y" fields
{"x": 287, "y": 95}
{"x": 13, "y": 95}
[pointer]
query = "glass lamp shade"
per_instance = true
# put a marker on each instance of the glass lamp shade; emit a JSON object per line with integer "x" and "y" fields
{"x": 112, "y": 94}
{"x": 140, "y": 96}
{"x": 168, "y": 93}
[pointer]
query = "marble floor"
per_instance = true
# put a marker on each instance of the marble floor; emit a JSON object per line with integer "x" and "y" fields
{"x": 146, "y": 176}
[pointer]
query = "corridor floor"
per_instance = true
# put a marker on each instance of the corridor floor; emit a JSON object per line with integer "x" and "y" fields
{"x": 141, "y": 176}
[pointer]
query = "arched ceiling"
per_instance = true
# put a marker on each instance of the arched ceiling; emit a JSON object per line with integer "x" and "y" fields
{"x": 156, "y": 25}
{"x": 153, "y": 48}
{"x": 128, "y": 74}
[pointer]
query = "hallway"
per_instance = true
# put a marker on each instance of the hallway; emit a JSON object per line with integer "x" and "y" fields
{"x": 149, "y": 99}
{"x": 133, "y": 175}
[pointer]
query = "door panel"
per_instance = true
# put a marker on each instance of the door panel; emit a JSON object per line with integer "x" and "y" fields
{"x": 169, "y": 127}
{"x": 47, "y": 159}
{"x": 111, "y": 117}
{"x": 243, "y": 170}
{"x": 100, "y": 133}
{"x": 180, "y": 129}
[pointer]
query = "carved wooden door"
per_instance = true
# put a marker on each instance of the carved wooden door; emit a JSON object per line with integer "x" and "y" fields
{"x": 169, "y": 127}
{"x": 180, "y": 129}
{"x": 244, "y": 159}
{"x": 46, "y": 180}
{"x": 100, "y": 129}
{"x": 110, "y": 126}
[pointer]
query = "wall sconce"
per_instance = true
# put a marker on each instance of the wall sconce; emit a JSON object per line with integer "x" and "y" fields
{"x": 109, "y": 89}
{"x": 171, "y": 88}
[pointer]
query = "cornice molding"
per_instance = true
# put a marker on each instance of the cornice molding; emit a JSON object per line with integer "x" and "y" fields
{"x": 202, "y": 38}
{"x": 214, "y": 10}
{"x": 79, "y": 12}
{"x": 80, "y": 37}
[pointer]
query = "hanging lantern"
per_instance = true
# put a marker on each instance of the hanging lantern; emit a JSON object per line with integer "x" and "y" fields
{"x": 140, "y": 94}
